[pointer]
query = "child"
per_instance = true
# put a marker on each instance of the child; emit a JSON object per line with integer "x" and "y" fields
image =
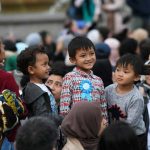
{"x": 124, "y": 100}
{"x": 34, "y": 62}
{"x": 81, "y": 84}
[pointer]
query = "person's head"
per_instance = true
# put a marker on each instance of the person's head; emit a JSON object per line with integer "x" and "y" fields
{"x": 118, "y": 136}
{"x": 85, "y": 123}
{"x": 145, "y": 50}
{"x": 128, "y": 69}
{"x": 38, "y": 133}
{"x": 102, "y": 51}
{"x": 129, "y": 45}
{"x": 46, "y": 37}
{"x": 55, "y": 79}
{"x": 114, "y": 45}
{"x": 10, "y": 45}
{"x": 33, "y": 39}
{"x": 82, "y": 53}
{"x": 33, "y": 61}
{"x": 2, "y": 54}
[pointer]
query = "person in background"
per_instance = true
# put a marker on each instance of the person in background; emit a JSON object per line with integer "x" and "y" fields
{"x": 81, "y": 84}
{"x": 7, "y": 80}
{"x": 83, "y": 126}
{"x": 125, "y": 102}
{"x": 125, "y": 138}
{"x": 38, "y": 133}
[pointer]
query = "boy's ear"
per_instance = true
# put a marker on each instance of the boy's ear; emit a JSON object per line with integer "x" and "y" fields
{"x": 30, "y": 69}
{"x": 137, "y": 78}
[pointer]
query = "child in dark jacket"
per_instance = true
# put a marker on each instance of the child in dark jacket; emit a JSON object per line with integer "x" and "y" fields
{"x": 34, "y": 62}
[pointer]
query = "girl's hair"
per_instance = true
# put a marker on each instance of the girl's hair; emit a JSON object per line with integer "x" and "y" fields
{"x": 119, "y": 136}
{"x": 28, "y": 58}
{"x": 77, "y": 43}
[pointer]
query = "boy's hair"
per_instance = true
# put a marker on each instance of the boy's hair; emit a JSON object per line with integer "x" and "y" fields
{"x": 77, "y": 43}
{"x": 125, "y": 138}
{"x": 58, "y": 68}
{"x": 28, "y": 58}
{"x": 133, "y": 60}
{"x": 39, "y": 133}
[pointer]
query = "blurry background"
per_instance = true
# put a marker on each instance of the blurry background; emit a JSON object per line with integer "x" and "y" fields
{"x": 25, "y": 16}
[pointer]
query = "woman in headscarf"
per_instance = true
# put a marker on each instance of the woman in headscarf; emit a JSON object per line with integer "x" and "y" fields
{"x": 83, "y": 126}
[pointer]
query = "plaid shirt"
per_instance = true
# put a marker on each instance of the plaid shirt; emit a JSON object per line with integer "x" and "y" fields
{"x": 71, "y": 91}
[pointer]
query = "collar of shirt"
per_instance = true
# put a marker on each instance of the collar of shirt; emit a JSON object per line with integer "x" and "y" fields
{"x": 82, "y": 73}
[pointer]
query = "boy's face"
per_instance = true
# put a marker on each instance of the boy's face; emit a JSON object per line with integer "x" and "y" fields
{"x": 54, "y": 82}
{"x": 84, "y": 59}
{"x": 41, "y": 68}
{"x": 125, "y": 75}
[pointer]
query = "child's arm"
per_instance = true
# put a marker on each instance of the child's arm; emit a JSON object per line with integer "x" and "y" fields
{"x": 65, "y": 100}
{"x": 134, "y": 111}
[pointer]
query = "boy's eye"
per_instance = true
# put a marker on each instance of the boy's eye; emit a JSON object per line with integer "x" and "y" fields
{"x": 126, "y": 71}
{"x": 92, "y": 53}
{"x": 82, "y": 55}
{"x": 117, "y": 69}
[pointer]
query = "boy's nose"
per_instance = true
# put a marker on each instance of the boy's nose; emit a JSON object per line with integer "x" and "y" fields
{"x": 52, "y": 86}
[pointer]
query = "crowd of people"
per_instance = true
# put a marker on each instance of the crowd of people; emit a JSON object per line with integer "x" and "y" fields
{"x": 88, "y": 89}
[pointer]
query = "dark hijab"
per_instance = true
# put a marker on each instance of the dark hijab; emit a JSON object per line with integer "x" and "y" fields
{"x": 83, "y": 123}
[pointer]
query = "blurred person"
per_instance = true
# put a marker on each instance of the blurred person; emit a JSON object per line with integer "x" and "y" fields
{"x": 7, "y": 80}
{"x": 33, "y": 39}
{"x": 82, "y": 130}
{"x": 95, "y": 36}
{"x": 102, "y": 67}
{"x": 105, "y": 32}
{"x": 140, "y": 14}
{"x": 125, "y": 138}
{"x": 38, "y": 133}
{"x": 85, "y": 10}
{"x": 48, "y": 43}
{"x": 129, "y": 45}
{"x": 113, "y": 10}
{"x": 114, "y": 45}
{"x": 11, "y": 55}
{"x": 145, "y": 50}
{"x": 139, "y": 34}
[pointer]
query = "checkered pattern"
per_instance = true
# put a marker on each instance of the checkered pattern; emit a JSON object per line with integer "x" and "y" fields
{"x": 71, "y": 92}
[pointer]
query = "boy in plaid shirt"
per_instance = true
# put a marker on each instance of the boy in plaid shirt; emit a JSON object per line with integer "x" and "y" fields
{"x": 81, "y": 84}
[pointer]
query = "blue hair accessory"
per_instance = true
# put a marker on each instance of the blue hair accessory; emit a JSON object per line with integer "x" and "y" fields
{"x": 86, "y": 88}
